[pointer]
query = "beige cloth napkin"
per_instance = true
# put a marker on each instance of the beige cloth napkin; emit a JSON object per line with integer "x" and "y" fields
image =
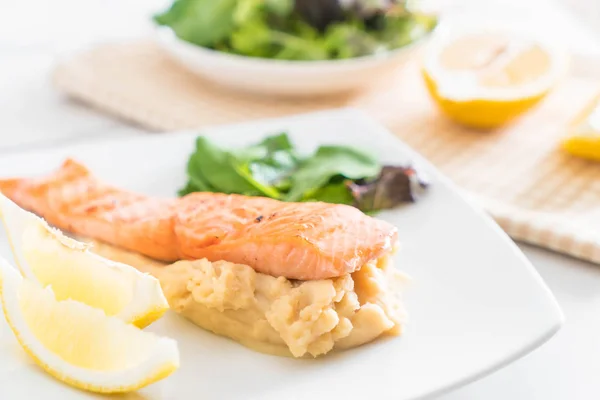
{"x": 536, "y": 193}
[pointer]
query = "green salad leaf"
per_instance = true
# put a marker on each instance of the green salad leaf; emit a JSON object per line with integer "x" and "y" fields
{"x": 202, "y": 22}
{"x": 279, "y": 7}
{"x": 329, "y": 162}
{"x": 296, "y": 29}
{"x": 273, "y": 168}
{"x": 270, "y": 161}
{"x": 337, "y": 193}
{"x": 212, "y": 169}
{"x": 348, "y": 40}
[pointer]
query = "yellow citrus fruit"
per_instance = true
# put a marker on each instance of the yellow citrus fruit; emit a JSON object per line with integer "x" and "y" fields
{"x": 81, "y": 345}
{"x": 485, "y": 78}
{"x": 52, "y": 259}
{"x": 584, "y": 134}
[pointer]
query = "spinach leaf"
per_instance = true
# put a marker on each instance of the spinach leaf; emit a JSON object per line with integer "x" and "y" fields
{"x": 262, "y": 188}
{"x": 271, "y": 160}
{"x": 269, "y": 145}
{"x": 196, "y": 179}
{"x": 328, "y": 162}
{"x": 203, "y": 22}
{"x": 194, "y": 170}
{"x": 337, "y": 193}
{"x": 223, "y": 171}
{"x": 275, "y": 168}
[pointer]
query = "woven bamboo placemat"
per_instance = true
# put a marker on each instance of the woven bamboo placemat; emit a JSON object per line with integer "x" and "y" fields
{"x": 536, "y": 193}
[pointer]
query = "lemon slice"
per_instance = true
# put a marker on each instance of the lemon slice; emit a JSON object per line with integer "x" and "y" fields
{"x": 484, "y": 78}
{"x": 80, "y": 345}
{"x": 46, "y": 255}
{"x": 584, "y": 134}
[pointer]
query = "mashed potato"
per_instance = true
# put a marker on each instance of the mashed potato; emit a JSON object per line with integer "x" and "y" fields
{"x": 277, "y": 315}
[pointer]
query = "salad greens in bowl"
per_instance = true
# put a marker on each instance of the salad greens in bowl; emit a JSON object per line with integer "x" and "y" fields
{"x": 292, "y": 47}
{"x": 303, "y": 30}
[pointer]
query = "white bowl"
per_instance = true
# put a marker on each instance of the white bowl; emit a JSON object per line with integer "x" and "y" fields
{"x": 283, "y": 77}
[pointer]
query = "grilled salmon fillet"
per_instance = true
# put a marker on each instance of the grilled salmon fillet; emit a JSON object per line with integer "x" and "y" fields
{"x": 304, "y": 241}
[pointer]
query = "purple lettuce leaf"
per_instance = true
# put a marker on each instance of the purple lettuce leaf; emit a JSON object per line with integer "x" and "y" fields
{"x": 394, "y": 185}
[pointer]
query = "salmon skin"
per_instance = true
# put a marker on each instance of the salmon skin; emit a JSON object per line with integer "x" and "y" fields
{"x": 303, "y": 241}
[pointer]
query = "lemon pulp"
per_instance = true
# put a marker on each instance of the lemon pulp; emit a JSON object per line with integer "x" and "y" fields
{"x": 485, "y": 80}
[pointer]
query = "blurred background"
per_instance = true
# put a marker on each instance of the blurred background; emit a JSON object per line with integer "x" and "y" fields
{"x": 587, "y": 10}
{"x": 66, "y": 23}
{"x": 35, "y": 34}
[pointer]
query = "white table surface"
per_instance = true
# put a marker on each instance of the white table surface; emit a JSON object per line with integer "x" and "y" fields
{"x": 33, "y": 34}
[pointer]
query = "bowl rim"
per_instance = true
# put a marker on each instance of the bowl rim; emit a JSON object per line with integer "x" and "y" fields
{"x": 166, "y": 36}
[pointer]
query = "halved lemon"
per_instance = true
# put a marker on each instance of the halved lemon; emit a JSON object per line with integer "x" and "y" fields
{"x": 80, "y": 345}
{"x": 584, "y": 133}
{"x": 46, "y": 255}
{"x": 486, "y": 77}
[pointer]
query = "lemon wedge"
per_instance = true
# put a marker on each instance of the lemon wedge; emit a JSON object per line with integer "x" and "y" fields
{"x": 47, "y": 256}
{"x": 80, "y": 345}
{"x": 485, "y": 78}
{"x": 584, "y": 134}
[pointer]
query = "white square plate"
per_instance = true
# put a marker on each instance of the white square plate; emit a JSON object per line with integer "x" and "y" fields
{"x": 476, "y": 303}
